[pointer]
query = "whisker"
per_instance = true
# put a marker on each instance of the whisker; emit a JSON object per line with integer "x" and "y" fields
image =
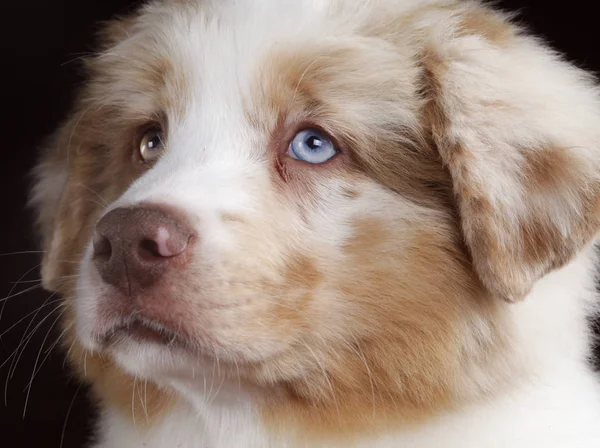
{"x": 79, "y": 57}
{"x": 212, "y": 383}
{"x": 37, "y": 358}
{"x": 85, "y": 353}
{"x": 103, "y": 204}
{"x": 39, "y": 280}
{"x": 237, "y": 368}
{"x": 146, "y": 400}
{"x": 19, "y": 282}
{"x": 133, "y": 401}
{"x": 14, "y": 286}
{"x": 93, "y": 201}
{"x": 204, "y": 395}
{"x": 216, "y": 394}
{"x": 69, "y": 352}
{"x": 15, "y": 351}
{"x": 361, "y": 355}
{"x": 62, "y": 435}
{"x": 23, "y": 252}
{"x": 326, "y": 376}
{"x": 20, "y": 293}
{"x": 138, "y": 389}
{"x": 15, "y": 356}
{"x": 27, "y": 315}
{"x": 27, "y": 339}
{"x": 49, "y": 351}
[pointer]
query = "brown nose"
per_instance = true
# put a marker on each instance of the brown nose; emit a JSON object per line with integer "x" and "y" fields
{"x": 133, "y": 247}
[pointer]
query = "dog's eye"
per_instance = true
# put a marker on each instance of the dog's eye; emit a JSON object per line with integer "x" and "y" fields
{"x": 151, "y": 145}
{"x": 312, "y": 146}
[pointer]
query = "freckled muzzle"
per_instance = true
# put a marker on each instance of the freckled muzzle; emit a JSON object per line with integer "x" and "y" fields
{"x": 135, "y": 247}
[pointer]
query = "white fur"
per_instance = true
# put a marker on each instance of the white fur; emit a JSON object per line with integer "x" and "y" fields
{"x": 214, "y": 165}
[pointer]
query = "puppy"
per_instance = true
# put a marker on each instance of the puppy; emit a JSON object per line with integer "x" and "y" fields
{"x": 328, "y": 223}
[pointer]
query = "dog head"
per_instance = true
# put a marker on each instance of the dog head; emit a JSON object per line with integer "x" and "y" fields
{"x": 328, "y": 200}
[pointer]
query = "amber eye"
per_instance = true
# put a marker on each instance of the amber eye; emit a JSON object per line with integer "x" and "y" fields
{"x": 151, "y": 145}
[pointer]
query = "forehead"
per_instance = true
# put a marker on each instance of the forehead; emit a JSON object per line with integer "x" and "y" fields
{"x": 222, "y": 57}
{"x": 210, "y": 49}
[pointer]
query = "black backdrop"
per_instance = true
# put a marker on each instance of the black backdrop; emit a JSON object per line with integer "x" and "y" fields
{"x": 39, "y": 39}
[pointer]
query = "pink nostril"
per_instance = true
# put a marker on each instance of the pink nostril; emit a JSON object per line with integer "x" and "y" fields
{"x": 165, "y": 244}
{"x": 170, "y": 244}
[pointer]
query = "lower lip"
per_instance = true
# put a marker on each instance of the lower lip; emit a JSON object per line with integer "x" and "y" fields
{"x": 147, "y": 334}
{"x": 144, "y": 334}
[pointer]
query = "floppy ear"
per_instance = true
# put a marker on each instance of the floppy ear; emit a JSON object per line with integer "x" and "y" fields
{"x": 64, "y": 194}
{"x": 50, "y": 181}
{"x": 519, "y": 131}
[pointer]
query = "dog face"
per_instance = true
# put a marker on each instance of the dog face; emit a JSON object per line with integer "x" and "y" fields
{"x": 323, "y": 201}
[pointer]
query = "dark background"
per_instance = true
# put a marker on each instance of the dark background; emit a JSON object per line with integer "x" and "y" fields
{"x": 39, "y": 41}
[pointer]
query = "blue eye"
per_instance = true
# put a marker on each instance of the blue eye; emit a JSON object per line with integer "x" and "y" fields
{"x": 312, "y": 146}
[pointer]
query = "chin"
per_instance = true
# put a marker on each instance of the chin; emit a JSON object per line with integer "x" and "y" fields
{"x": 327, "y": 224}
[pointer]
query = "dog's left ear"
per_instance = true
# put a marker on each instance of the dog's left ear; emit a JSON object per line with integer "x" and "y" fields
{"x": 519, "y": 131}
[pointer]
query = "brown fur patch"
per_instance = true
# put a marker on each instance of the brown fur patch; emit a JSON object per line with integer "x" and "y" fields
{"x": 509, "y": 258}
{"x": 548, "y": 173}
{"x": 302, "y": 272}
{"x": 406, "y": 360}
{"x": 229, "y": 217}
{"x": 300, "y": 279}
{"x": 485, "y": 23}
{"x": 350, "y": 193}
{"x": 408, "y": 20}
{"x": 549, "y": 168}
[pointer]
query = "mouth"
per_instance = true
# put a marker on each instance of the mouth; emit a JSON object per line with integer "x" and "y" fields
{"x": 144, "y": 331}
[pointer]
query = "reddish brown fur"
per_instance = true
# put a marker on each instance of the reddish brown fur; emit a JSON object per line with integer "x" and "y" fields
{"x": 410, "y": 319}
{"x": 536, "y": 245}
{"x": 406, "y": 359}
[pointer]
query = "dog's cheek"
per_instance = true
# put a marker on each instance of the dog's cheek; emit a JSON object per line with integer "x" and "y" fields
{"x": 276, "y": 273}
